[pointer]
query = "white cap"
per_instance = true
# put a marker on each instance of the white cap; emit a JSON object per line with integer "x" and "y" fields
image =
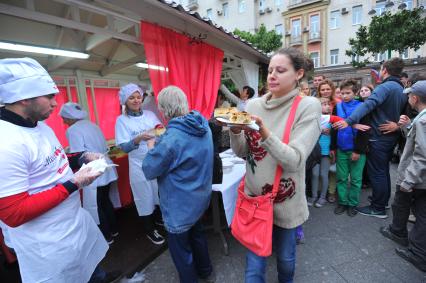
{"x": 127, "y": 90}
{"x": 71, "y": 110}
{"x": 23, "y": 78}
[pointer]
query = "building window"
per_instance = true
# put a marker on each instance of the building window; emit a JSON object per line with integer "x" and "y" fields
{"x": 279, "y": 29}
{"x": 380, "y": 7}
{"x": 295, "y": 28}
{"x": 241, "y": 6}
{"x": 334, "y": 19}
{"x": 334, "y": 57}
{"x": 225, "y": 10}
{"x": 261, "y": 4}
{"x": 357, "y": 15}
{"x": 210, "y": 14}
{"x": 379, "y": 57}
{"x": 315, "y": 58}
{"x": 409, "y": 4}
{"x": 404, "y": 55}
{"x": 314, "y": 30}
{"x": 278, "y": 2}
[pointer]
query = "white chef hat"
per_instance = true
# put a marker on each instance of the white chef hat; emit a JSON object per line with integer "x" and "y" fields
{"x": 128, "y": 90}
{"x": 71, "y": 110}
{"x": 23, "y": 78}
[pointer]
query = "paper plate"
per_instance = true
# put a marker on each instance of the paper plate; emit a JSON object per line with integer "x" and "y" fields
{"x": 252, "y": 125}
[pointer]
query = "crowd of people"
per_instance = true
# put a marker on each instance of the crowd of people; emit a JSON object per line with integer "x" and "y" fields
{"x": 352, "y": 126}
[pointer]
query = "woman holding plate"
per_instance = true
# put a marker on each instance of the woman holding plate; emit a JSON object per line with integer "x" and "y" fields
{"x": 265, "y": 150}
{"x": 133, "y": 132}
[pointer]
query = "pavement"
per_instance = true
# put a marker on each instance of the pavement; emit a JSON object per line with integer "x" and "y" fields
{"x": 337, "y": 248}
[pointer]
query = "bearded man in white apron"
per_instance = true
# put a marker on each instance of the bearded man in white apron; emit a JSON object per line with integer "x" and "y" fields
{"x": 133, "y": 131}
{"x": 55, "y": 240}
{"x": 83, "y": 135}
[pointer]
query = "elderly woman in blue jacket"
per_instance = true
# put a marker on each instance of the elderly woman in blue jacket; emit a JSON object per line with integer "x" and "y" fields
{"x": 182, "y": 162}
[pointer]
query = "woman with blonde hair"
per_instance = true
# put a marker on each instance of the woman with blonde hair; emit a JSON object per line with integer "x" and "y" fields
{"x": 133, "y": 132}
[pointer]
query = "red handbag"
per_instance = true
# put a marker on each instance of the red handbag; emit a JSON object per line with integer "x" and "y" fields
{"x": 254, "y": 216}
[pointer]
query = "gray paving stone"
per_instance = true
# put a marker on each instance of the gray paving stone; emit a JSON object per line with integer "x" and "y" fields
{"x": 327, "y": 275}
{"x": 336, "y": 249}
{"x": 400, "y": 268}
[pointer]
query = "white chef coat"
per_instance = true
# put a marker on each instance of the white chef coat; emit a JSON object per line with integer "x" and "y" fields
{"x": 145, "y": 192}
{"x": 63, "y": 244}
{"x": 84, "y": 135}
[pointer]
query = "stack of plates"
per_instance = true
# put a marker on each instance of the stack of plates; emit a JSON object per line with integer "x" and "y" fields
{"x": 227, "y": 166}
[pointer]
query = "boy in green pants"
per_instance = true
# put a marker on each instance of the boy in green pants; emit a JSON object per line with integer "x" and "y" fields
{"x": 351, "y": 149}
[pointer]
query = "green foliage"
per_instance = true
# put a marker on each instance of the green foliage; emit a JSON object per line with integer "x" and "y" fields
{"x": 399, "y": 31}
{"x": 266, "y": 41}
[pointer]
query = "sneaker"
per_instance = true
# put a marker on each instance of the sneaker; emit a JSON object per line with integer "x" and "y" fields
{"x": 370, "y": 199}
{"x": 211, "y": 278}
{"x": 155, "y": 237}
{"x": 310, "y": 201}
{"x": 409, "y": 256}
{"x": 351, "y": 211}
{"x": 331, "y": 198}
{"x": 320, "y": 202}
{"x": 110, "y": 241}
{"x": 387, "y": 232}
{"x": 112, "y": 276}
{"x": 114, "y": 234}
{"x": 369, "y": 211}
{"x": 159, "y": 222}
{"x": 340, "y": 209}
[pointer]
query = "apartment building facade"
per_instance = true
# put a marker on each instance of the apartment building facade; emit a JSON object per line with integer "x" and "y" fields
{"x": 246, "y": 15}
{"x": 320, "y": 28}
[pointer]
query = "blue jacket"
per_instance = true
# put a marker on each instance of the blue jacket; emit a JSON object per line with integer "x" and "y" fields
{"x": 346, "y": 136}
{"x": 182, "y": 162}
{"x": 386, "y": 103}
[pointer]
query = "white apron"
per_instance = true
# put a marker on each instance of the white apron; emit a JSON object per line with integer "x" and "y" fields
{"x": 63, "y": 244}
{"x": 84, "y": 135}
{"x": 145, "y": 192}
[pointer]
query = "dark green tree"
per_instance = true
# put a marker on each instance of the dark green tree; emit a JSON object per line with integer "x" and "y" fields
{"x": 399, "y": 31}
{"x": 266, "y": 41}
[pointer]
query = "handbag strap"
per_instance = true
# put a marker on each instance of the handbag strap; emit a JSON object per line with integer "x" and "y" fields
{"x": 286, "y": 138}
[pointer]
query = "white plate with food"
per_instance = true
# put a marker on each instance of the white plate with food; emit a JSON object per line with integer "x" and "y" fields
{"x": 251, "y": 125}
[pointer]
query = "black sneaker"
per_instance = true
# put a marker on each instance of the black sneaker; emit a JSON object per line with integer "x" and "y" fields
{"x": 159, "y": 222}
{"x": 370, "y": 199}
{"x": 369, "y": 211}
{"x": 211, "y": 278}
{"x": 387, "y": 232}
{"x": 155, "y": 237}
{"x": 351, "y": 211}
{"x": 340, "y": 209}
{"x": 112, "y": 276}
{"x": 408, "y": 255}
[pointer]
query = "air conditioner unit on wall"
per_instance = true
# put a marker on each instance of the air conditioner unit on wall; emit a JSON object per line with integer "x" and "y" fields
{"x": 269, "y": 9}
{"x": 344, "y": 11}
{"x": 219, "y": 12}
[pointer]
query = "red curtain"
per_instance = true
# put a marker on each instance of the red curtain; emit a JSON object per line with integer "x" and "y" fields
{"x": 108, "y": 106}
{"x": 195, "y": 67}
{"x": 55, "y": 121}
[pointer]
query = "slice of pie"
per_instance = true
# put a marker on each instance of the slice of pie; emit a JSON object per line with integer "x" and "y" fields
{"x": 240, "y": 118}
{"x": 225, "y": 112}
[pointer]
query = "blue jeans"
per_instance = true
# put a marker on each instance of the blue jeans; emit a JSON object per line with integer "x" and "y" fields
{"x": 284, "y": 245}
{"x": 378, "y": 158}
{"x": 190, "y": 254}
